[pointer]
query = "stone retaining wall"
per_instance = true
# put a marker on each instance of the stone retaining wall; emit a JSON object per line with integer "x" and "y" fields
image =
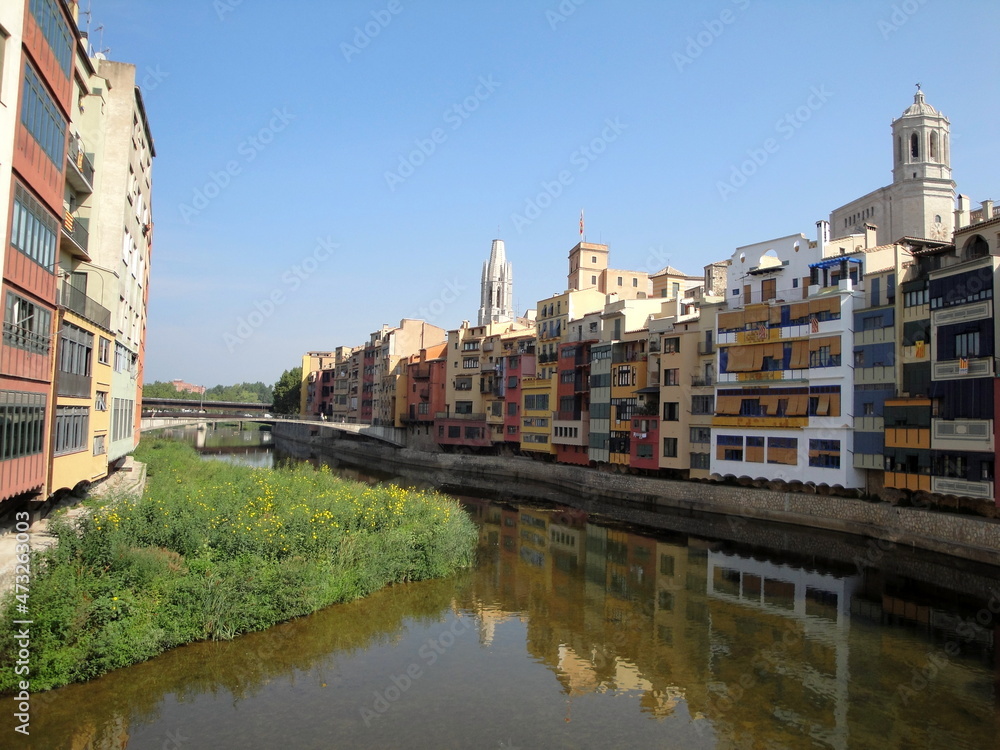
{"x": 967, "y": 537}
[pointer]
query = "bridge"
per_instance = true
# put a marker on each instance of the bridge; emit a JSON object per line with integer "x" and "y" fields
{"x": 391, "y": 435}
{"x": 197, "y": 405}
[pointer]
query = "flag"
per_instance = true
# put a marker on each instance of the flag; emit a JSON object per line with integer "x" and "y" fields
{"x": 813, "y": 324}
{"x": 581, "y": 222}
{"x": 963, "y": 365}
{"x": 920, "y": 348}
{"x": 762, "y": 332}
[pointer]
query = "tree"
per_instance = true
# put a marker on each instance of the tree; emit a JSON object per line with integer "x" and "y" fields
{"x": 286, "y": 391}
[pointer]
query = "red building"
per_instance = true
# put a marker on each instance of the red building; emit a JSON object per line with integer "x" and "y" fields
{"x": 571, "y": 421}
{"x": 44, "y": 62}
{"x": 515, "y": 366}
{"x": 642, "y": 447}
{"x": 425, "y": 387}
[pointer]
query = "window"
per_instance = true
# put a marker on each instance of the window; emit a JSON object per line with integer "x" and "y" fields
{"x": 534, "y": 438}
{"x": 625, "y": 375}
{"x": 644, "y": 450}
{"x": 824, "y": 454}
{"x": 4, "y": 36}
{"x": 25, "y": 325}
{"x": 967, "y": 344}
{"x": 868, "y": 408}
{"x": 100, "y": 445}
{"x": 750, "y": 407}
{"x": 536, "y": 402}
{"x": 620, "y": 281}
{"x": 671, "y": 345}
{"x": 671, "y": 411}
{"x": 71, "y": 429}
{"x": 22, "y": 424}
{"x": 50, "y": 20}
{"x": 463, "y": 384}
{"x": 669, "y": 447}
{"x": 916, "y": 297}
{"x": 914, "y": 146}
{"x": 703, "y": 404}
{"x": 782, "y": 451}
{"x": 672, "y": 377}
{"x": 512, "y": 409}
{"x": 730, "y": 447}
{"x": 701, "y": 435}
{"x": 470, "y": 363}
{"x": 567, "y": 376}
{"x": 593, "y": 260}
{"x": 454, "y": 431}
{"x": 75, "y": 349}
{"x": 535, "y": 422}
{"x": 701, "y": 460}
{"x": 34, "y": 230}
{"x": 463, "y": 407}
{"x": 41, "y": 118}
{"x": 473, "y": 433}
{"x": 593, "y": 279}
{"x": 101, "y": 401}
{"x": 635, "y": 282}
{"x": 470, "y": 346}
{"x": 512, "y": 381}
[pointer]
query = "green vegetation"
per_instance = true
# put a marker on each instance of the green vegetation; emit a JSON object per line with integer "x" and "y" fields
{"x": 251, "y": 393}
{"x": 287, "y": 390}
{"x": 213, "y": 550}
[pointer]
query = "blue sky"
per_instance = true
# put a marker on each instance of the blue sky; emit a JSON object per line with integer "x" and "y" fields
{"x": 326, "y": 167}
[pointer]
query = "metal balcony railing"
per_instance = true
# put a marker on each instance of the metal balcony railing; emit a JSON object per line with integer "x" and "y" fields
{"x": 701, "y": 380}
{"x": 706, "y": 347}
{"x": 76, "y": 156}
{"x": 77, "y": 230}
{"x": 77, "y": 300}
{"x": 472, "y": 417}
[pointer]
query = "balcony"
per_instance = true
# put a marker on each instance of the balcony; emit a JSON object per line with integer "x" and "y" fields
{"x": 76, "y": 300}
{"x": 706, "y": 347}
{"x": 702, "y": 381}
{"x": 471, "y": 417}
{"x": 424, "y": 393}
{"x": 76, "y": 229}
{"x": 80, "y": 174}
{"x": 419, "y": 372}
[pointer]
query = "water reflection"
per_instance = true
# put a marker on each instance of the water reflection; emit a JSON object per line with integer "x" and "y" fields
{"x": 246, "y": 444}
{"x": 573, "y": 632}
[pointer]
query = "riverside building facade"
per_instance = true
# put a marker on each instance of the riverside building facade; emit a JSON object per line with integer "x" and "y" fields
{"x": 72, "y": 296}
{"x": 860, "y": 360}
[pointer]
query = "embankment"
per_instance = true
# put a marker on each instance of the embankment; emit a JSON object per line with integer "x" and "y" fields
{"x": 639, "y": 499}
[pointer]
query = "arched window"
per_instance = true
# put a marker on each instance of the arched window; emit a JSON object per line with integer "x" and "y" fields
{"x": 899, "y": 149}
{"x": 975, "y": 247}
{"x": 914, "y": 146}
{"x": 934, "y": 147}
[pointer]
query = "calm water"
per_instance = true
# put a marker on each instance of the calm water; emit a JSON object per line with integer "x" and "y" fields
{"x": 576, "y": 632}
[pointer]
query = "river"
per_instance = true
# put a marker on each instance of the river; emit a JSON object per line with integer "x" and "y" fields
{"x": 575, "y": 631}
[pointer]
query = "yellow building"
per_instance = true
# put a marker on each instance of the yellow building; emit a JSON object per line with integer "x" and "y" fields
{"x": 82, "y": 386}
{"x": 536, "y": 415}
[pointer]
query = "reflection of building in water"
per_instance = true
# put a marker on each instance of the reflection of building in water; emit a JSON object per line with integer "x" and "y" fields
{"x": 799, "y": 621}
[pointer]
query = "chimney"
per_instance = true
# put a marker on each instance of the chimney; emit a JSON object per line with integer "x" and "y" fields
{"x": 822, "y": 235}
{"x": 871, "y": 232}
{"x": 987, "y": 210}
{"x": 962, "y": 212}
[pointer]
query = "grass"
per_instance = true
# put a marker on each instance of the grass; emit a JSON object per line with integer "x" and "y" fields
{"x": 213, "y": 550}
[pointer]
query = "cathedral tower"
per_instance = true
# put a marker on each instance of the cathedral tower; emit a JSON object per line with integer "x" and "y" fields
{"x": 497, "y": 300}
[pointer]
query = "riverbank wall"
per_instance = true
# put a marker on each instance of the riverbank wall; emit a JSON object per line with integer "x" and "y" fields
{"x": 966, "y": 537}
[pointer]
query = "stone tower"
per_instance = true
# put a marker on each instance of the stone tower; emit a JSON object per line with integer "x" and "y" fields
{"x": 920, "y": 202}
{"x": 497, "y": 300}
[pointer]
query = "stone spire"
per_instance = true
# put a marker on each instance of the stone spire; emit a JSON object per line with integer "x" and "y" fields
{"x": 497, "y": 301}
